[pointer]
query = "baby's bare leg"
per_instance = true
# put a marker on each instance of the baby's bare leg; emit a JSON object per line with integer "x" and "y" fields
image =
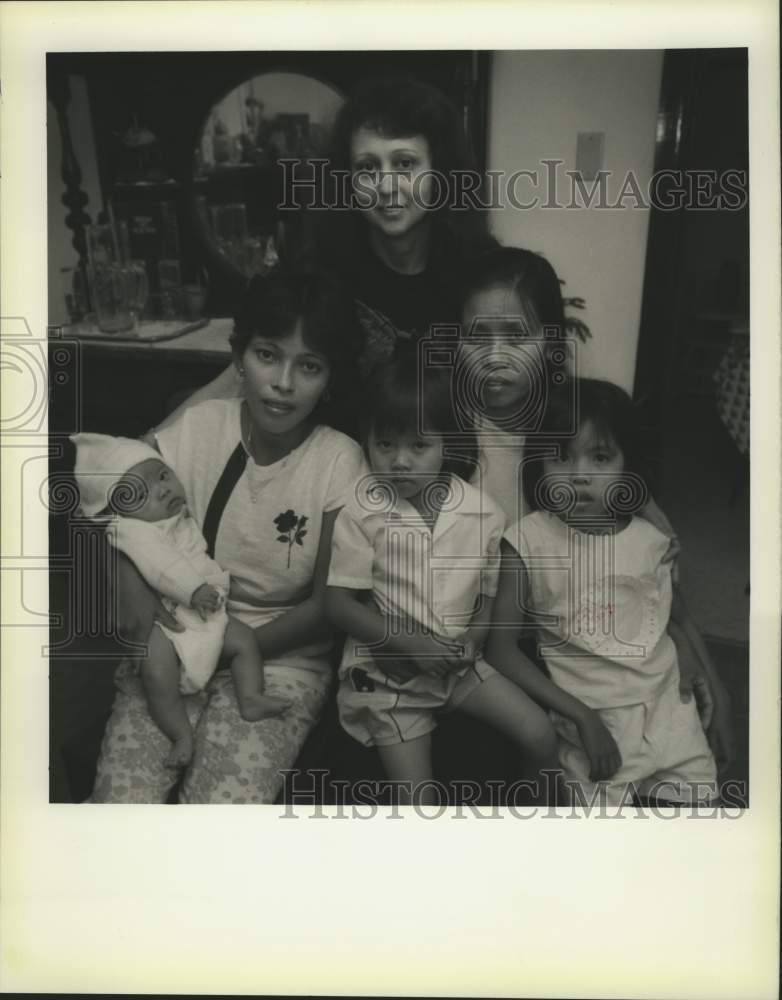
{"x": 241, "y": 648}
{"x": 160, "y": 677}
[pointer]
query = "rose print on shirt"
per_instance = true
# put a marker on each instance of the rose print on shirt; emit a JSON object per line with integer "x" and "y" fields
{"x": 291, "y": 530}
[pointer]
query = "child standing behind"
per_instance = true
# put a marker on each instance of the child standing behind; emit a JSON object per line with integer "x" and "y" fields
{"x": 153, "y": 527}
{"x": 413, "y": 571}
{"x": 590, "y": 576}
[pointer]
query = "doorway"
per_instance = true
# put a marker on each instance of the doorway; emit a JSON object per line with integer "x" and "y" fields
{"x": 692, "y": 375}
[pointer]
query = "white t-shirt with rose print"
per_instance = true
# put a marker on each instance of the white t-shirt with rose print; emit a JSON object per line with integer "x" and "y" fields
{"x": 269, "y": 531}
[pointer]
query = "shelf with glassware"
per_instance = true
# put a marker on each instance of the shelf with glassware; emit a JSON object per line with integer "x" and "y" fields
{"x": 236, "y": 209}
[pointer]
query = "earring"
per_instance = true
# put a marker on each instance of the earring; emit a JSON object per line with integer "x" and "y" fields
{"x": 326, "y": 397}
{"x": 241, "y": 372}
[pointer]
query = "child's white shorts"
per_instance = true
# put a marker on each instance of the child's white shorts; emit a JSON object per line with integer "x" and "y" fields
{"x": 379, "y": 711}
{"x": 198, "y": 647}
{"x": 665, "y": 753}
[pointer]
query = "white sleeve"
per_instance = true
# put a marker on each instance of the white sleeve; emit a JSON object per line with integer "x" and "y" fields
{"x": 224, "y": 386}
{"x": 347, "y": 467}
{"x": 352, "y": 554}
{"x": 168, "y": 440}
{"x": 161, "y": 564}
{"x": 196, "y": 446}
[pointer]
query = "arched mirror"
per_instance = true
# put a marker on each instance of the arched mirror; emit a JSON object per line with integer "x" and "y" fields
{"x": 238, "y": 182}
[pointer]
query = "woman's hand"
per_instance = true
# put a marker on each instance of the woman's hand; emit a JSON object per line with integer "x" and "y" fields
{"x": 137, "y": 606}
{"x": 692, "y": 679}
{"x": 713, "y": 703}
{"x": 652, "y": 513}
{"x": 671, "y": 553}
{"x": 698, "y": 676}
{"x": 600, "y": 746}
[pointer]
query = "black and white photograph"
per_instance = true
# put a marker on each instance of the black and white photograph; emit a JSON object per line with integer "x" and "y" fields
{"x": 385, "y": 438}
{"x": 515, "y": 272}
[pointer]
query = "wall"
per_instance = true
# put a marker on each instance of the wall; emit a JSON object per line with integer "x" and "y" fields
{"x": 539, "y": 101}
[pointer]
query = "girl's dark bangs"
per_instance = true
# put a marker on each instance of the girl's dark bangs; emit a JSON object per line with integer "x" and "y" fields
{"x": 602, "y": 428}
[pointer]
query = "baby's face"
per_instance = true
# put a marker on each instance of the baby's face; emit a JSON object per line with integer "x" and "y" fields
{"x": 150, "y": 491}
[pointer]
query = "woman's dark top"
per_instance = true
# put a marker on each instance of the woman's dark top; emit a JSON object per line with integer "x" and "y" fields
{"x": 413, "y": 303}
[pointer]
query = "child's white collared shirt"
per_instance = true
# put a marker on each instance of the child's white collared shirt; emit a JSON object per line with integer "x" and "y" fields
{"x": 433, "y": 575}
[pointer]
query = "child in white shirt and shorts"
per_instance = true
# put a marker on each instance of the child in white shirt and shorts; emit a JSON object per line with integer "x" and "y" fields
{"x": 412, "y": 575}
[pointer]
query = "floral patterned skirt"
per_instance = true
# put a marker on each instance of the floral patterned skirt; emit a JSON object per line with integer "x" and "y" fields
{"x": 234, "y": 762}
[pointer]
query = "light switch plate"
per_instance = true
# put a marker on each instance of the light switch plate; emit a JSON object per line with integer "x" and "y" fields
{"x": 589, "y": 154}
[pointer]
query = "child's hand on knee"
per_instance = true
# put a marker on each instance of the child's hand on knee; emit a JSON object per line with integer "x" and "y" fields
{"x": 399, "y": 670}
{"x": 440, "y": 657}
{"x": 206, "y": 599}
{"x": 601, "y": 748}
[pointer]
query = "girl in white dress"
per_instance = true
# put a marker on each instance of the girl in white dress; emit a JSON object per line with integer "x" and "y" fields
{"x": 589, "y": 576}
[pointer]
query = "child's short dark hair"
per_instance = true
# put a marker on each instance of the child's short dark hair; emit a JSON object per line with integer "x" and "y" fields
{"x": 271, "y": 306}
{"x": 569, "y": 407}
{"x": 402, "y": 395}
